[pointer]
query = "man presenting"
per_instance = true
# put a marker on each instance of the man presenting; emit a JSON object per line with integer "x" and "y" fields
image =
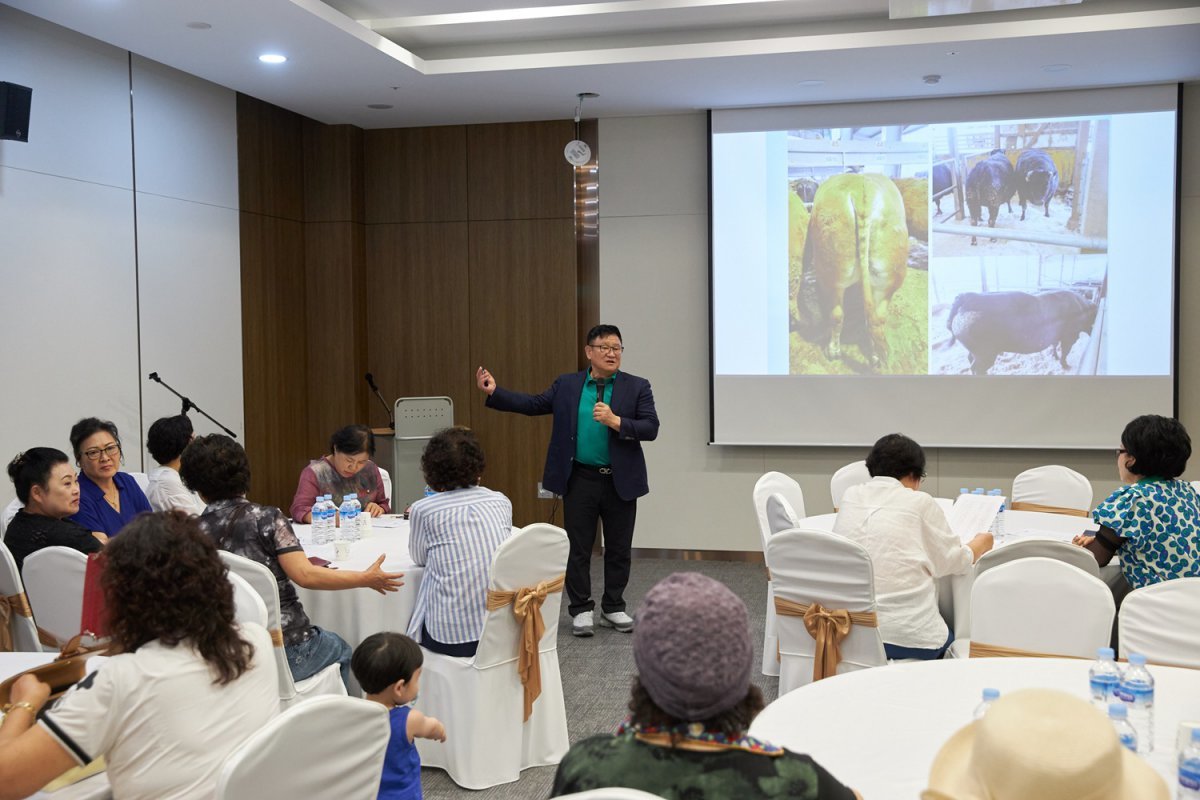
{"x": 595, "y": 461}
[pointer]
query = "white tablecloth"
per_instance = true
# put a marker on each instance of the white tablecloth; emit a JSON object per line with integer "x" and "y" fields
{"x": 878, "y": 730}
{"x": 954, "y": 592}
{"x": 93, "y": 788}
{"x": 354, "y": 614}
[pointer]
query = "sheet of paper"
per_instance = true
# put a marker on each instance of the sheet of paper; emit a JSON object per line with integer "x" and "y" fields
{"x": 388, "y": 521}
{"x": 973, "y": 513}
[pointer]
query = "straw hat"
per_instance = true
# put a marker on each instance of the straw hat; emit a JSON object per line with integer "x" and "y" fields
{"x": 1040, "y": 744}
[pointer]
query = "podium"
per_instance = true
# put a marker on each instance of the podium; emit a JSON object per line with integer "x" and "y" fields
{"x": 417, "y": 420}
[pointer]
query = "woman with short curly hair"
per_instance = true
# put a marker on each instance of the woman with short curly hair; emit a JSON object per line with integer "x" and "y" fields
{"x": 454, "y": 533}
{"x": 183, "y": 687}
{"x": 217, "y": 469}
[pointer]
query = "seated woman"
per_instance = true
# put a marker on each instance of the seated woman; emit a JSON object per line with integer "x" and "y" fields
{"x": 1154, "y": 520}
{"x": 910, "y": 544}
{"x": 47, "y": 486}
{"x": 454, "y": 535}
{"x": 692, "y": 704}
{"x": 187, "y": 688}
{"x": 108, "y": 498}
{"x": 348, "y": 469}
{"x": 165, "y": 440}
{"x": 216, "y": 467}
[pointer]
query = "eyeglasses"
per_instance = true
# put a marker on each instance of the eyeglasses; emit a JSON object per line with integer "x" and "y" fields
{"x": 112, "y": 451}
{"x": 1121, "y": 451}
{"x": 608, "y": 349}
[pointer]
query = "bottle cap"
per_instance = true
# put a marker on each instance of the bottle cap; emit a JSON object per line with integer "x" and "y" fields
{"x": 1117, "y": 711}
{"x": 1105, "y": 652}
{"x": 991, "y": 694}
{"x": 1195, "y": 735}
{"x": 1137, "y": 659}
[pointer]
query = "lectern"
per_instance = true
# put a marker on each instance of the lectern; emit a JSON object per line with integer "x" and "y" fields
{"x": 417, "y": 419}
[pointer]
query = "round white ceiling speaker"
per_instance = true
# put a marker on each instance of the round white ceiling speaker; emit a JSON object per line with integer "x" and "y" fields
{"x": 577, "y": 153}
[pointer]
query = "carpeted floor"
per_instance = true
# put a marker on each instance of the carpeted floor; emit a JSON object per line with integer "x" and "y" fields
{"x": 596, "y": 672}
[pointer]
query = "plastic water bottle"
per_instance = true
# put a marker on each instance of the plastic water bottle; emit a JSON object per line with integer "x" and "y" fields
{"x": 978, "y": 490}
{"x": 350, "y": 511}
{"x": 1136, "y": 691}
{"x": 318, "y": 520}
{"x": 428, "y": 492}
{"x": 329, "y": 520}
{"x": 1103, "y": 678}
{"x": 1119, "y": 714}
{"x": 997, "y": 529}
{"x": 1189, "y": 768}
{"x": 989, "y": 696}
{"x": 358, "y": 517}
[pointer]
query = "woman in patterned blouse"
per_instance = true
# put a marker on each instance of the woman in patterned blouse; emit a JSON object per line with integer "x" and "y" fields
{"x": 1154, "y": 520}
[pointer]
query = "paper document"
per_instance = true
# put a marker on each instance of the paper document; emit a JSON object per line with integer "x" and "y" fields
{"x": 388, "y": 521}
{"x": 973, "y": 513}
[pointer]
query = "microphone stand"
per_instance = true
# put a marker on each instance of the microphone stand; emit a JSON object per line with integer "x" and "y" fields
{"x": 386, "y": 408}
{"x": 189, "y": 405}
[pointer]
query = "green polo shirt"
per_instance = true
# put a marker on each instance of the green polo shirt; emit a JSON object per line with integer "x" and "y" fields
{"x": 591, "y": 438}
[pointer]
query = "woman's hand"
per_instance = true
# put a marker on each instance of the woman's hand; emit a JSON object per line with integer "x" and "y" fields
{"x": 28, "y": 689}
{"x": 1083, "y": 540}
{"x": 102, "y": 538}
{"x": 374, "y": 509}
{"x": 375, "y": 578}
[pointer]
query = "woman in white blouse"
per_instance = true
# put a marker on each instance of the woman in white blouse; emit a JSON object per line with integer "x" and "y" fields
{"x": 165, "y": 440}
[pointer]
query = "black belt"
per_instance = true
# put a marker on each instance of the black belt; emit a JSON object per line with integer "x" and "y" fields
{"x": 605, "y": 470}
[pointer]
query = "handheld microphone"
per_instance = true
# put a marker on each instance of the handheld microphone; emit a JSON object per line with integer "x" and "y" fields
{"x": 600, "y": 389}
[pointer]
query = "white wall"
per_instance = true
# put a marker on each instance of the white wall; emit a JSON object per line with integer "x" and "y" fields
{"x": 102, "y": 284}
{"x": 654, "y": 285}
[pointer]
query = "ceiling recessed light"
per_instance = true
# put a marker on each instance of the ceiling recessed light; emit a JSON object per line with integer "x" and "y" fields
{"x": 380, "y": 106}
{"x": 272, "y": 58}
{"x": 811, "y": 82}
{"x": 951, "y": 52}
{"x": 931, "y": 79}
{"x": 199, "y": 26}
{"x": 1056, "y": 68}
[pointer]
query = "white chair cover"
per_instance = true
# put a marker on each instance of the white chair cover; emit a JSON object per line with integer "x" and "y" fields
{"x": 326, "y": 747}
{"x": 611, "y": 793}
{"x": 387, "y": 484}
{"x": 810, "y": 566}
{"x": 24, "y": 632}
{"x": 481, "y": 699}
{"x": 1042, "y": 605}
{"x": 779, "y": 485}
{"x": 1162, "y": 622}
{"x": 780, "y": 514}
{"x": 248, "y": 605}
{"x": 1039, "y": 548}
{"x": 7, "y": 515}
{"x": 327, "y": 681}
{"x": 54, "y": 582}
{"x": 1053, "y": 485}
{"x": 143, "y": 480}
{"x": 852, "y": 474}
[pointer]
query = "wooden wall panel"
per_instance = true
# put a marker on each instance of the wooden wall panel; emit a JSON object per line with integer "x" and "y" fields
{"x": 270, "y": 163}
{"x": 416, "y": 174}
{"x": 418, "y": 315}
{"x": 517, "y": 171}
{"x": 336, "y": 329}
{"x": 333, "y": 173}
{"x": 522, "y": 314}
{"x": 275, "y": 376}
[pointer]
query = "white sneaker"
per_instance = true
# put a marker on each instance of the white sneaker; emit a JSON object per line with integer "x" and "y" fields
{"x": 618, "y": 619}
{"x": 581, "y": 625}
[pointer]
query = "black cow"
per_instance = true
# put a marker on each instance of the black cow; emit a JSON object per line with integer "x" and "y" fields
{"x": 1037, "y": 179}
{"x": 941, "y": 182}
{"x": 1018, "y": 322}
{"x": 990, "y": 183}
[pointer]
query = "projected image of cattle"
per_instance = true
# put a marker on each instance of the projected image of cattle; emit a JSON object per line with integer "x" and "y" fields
{"x": 858, "y": 232}
{"x": 1018, "y": 316}
{"x": 1017, "y": 188}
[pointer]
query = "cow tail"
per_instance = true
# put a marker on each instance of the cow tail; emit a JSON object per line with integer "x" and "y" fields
{"x": 950, "y": 319}
{"x": 862, "y": 232}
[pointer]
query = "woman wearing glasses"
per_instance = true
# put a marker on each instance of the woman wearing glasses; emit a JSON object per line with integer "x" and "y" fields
{"x": 108, "y": 498}
{"x": 347, "y": 469}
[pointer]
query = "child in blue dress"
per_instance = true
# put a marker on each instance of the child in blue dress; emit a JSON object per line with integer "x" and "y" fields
{"x": 388, "y": 667}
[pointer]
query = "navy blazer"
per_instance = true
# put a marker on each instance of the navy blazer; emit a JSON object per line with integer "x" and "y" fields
{"x": 631, "y": 400}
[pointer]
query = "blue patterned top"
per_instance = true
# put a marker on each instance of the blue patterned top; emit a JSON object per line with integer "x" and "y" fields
{"x": 1158, "y": 521}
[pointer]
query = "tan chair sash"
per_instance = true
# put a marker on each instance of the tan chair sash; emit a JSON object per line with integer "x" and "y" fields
{"x": 983, "y": 650}
{"x": 10, "y": 606}
{"x": 1021, "y": 505}
{"x": 827, "y": 626}
{"x": 527, "y": 608}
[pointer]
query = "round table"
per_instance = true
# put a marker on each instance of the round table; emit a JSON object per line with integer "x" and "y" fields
{"x": 877, "y": 730}
{"x": 355, "y": 614}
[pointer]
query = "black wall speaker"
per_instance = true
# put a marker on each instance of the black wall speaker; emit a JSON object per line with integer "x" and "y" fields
{"x": 14, "y": 111}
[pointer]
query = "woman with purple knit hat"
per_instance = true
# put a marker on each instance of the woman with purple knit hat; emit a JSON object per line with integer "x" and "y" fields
{"x": 691, "y": 706}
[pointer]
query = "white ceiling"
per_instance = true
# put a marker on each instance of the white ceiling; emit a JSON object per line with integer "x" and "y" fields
{"x": 465, "y": 61}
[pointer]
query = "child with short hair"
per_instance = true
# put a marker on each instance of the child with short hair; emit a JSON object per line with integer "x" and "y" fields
{"x": 388, "y": 667}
